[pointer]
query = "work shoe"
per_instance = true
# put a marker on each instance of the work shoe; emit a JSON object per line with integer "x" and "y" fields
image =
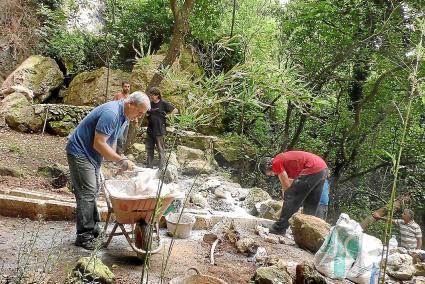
{"x": 276, "y": 231}
{"x": 85, "y": 241}
{"x": 97, "y": 231}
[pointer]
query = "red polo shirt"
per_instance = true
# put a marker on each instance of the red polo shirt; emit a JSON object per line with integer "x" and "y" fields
{"x": 298, "y": 163}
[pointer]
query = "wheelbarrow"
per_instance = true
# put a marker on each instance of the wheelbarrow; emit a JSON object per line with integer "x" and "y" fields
{"x": 136, "y": 211}
{"x": 196, "y": 278}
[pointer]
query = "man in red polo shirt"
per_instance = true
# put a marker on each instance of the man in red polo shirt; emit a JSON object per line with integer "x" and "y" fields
{"x": 301, "y": 175}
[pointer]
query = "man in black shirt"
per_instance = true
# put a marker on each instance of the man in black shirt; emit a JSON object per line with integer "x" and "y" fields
{"x": 157, "y": 117}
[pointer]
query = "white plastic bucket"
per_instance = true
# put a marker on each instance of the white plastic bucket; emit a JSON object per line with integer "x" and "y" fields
{"x": 180, "y": 228}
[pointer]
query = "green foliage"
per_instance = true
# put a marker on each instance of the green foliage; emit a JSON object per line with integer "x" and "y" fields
{"x": 77, "y": 50}
{"x": 255, "y": 28}
{"x": 131, "y": 19}
{"x": 206, "y": 20}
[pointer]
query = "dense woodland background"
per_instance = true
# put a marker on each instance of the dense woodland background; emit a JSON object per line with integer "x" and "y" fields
{"x": 334, "y": 77}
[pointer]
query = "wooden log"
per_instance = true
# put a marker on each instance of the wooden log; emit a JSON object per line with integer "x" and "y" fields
{"x": 381, "y": 212}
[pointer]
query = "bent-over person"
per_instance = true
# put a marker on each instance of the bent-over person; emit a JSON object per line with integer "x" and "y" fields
{"x": 301, "y": 175}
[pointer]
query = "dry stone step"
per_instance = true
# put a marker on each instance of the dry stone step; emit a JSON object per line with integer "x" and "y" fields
{"x": 34, "y": 208}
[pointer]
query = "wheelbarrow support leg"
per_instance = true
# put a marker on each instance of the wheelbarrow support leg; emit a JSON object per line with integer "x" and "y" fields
{"x": 111, "y": 235}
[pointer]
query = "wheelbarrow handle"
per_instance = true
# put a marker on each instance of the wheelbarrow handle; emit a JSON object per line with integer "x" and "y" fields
{"x": 192, "y": 268}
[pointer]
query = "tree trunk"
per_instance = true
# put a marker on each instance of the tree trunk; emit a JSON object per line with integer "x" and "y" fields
{"x": 405, "y": 198}
{"x": 181, "y": 26}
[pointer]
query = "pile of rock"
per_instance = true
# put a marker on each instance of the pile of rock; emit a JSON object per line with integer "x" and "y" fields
{"x": 404, "y": 265}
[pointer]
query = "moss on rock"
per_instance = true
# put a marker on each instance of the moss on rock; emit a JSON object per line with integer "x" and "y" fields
{"x": 89, "y": 88}
{"x": 39, "y": 74}
{"x": 91, "y": 268}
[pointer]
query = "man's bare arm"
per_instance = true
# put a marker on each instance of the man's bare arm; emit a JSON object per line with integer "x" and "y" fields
{"x": 285, "y": 181}
{"x": 100, "y": 145}
{"x": 419, "y": 243}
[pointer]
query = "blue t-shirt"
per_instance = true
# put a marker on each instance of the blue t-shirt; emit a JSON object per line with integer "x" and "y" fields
{"x": 107, "y": 119}
{"x": 324, "y": 199}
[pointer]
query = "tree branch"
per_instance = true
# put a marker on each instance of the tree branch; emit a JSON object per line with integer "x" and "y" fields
{"x": 372, "y": 169}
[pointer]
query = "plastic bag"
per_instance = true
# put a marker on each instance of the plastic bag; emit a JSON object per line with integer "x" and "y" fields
{"x": 340, "y": 248}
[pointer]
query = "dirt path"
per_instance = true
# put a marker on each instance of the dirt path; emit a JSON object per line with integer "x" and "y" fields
{"x": 25, "y": 153}
{"x": 53, "y": 241}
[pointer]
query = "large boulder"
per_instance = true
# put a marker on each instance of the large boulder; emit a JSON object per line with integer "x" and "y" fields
{"x": 309, "y": 231}
{"x": 4, "y": 92}
{"x": 196, "y": 167}
{"x": 400, "y": 266}
{"x": 231, "y": 152}
{"x": 195, "y": 140}
{"x": 186, "y": 154}
{"x": 39, "y": 74}
{"x": 20, "y": 114}
{"x": 272, "y": 275}
{"x": 89, "y": 88}
{"x": 174, "y": 86}
{"x": 13, "y": 102}
{"x": 255, "y": 196}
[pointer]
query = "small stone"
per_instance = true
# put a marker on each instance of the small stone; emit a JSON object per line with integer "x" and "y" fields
{"x": 260, "y": 255}
{"x": 306, "y": 274}
{"x": 420, "y": 269}
{"x": 210, "y": 238}
{"x": 247, "y": 245}
{"x": 199, "y": 200}
{"x": 272, "y": 239}
{"x": 271, "y": 275}
{"x": 221, "y": 193}
{"x": 262, "y": 231}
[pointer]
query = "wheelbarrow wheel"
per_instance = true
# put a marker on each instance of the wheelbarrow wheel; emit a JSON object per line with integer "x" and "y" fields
{"x": 142, "y": 238}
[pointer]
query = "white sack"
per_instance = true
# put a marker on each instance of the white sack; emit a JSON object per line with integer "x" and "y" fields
{"x": 365, "y": 269}
{"x": 340, "y": 248}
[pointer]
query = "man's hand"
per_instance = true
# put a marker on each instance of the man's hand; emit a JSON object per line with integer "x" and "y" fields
{"x": 282, "y": 193}
{"x": 125, "y": 165}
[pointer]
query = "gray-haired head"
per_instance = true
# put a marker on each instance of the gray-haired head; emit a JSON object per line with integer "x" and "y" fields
{"x": 138, "y": 98}
{"x": 410, "y": 213}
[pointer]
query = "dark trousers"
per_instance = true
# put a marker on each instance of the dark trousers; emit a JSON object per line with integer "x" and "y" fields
{"x": 150, "y": 143}
{"x": 86, "y": 183}
{"x": 305, "y": 191}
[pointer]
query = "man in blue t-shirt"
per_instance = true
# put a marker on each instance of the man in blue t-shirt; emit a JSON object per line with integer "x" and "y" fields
{"x": 94, "y": 139}
{"x": 322, "y": 211}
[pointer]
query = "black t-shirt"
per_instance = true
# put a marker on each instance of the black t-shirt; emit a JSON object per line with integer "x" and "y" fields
{"x": 156, "y": 117}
